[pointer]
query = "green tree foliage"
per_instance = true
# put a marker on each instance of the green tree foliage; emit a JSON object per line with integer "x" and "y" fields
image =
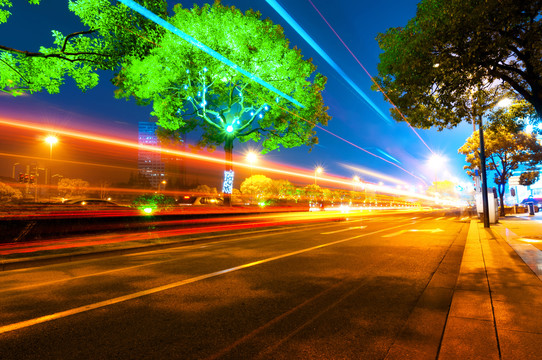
{"x": 313, "y": 192}
{"x": 451, "y": 47}
{"x": 283, "y": 190}
{"x": 505, "y": 152}
{"x": 69, "y": 188}
{"x": 529, "y": 177}
{"x": 9, "y": 194}
{"x": 514, "y": 117}
{"x": 108, "y": 33}
{"x": 258, "y": 187}
{"x": 190, "y": 90}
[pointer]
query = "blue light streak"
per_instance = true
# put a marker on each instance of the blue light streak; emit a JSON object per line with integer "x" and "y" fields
{"x": 388, "y": 155}
{"x": 158, "y": 20}
{"x": 275, "y": 5}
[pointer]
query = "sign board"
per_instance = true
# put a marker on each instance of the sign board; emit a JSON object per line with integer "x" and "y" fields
{"x": 513, "y": 181}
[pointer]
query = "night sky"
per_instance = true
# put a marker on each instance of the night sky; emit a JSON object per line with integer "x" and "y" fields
{"x": 357, "y": 22}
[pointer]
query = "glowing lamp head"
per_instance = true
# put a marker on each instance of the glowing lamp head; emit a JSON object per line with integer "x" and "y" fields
{"x": 252, "y": 157}
{"x": 51, "y": 139}
{"x": 229, "y": 129}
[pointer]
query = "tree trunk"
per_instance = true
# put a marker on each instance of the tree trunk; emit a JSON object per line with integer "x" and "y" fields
{"x": 537, "y": 103}
{"x": 228, "y": 166}
{"x": 500, "y": 189}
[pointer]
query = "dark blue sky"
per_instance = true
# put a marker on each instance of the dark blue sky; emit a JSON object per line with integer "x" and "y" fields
{"x": 357, "y": 22}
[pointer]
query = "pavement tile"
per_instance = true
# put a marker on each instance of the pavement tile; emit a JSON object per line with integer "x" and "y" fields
{"x": 473, "y": 281}
{"x": 468, "y": 339}
{"x": 504, "y": 278}
{"x": 420, "y": 337}
{"x": 527, "y": 295}
{"x": 517, "y": 316}
{"x": 410, "y": 353}
{"x": 445, "y": 277}
{"x": 471, "y": 304}
{"x": 519, "y": 345}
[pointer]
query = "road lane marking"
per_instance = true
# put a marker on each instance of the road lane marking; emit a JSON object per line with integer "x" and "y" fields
{"x": 182, "y": 248}
{"x": 440, "y": 218}
{"x": 100, "y": 304}
{"x": 347, "y": 229}
{"x": 412, "y": 230}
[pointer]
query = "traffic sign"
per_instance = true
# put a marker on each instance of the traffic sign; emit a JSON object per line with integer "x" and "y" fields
{"x": 513, "y": 181}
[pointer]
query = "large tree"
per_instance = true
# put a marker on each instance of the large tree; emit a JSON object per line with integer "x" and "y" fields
{"x": 190, "y": 90}
{"x": 505, "y": 151}
{"x": 107, "y": 34}
{"x": 429, "y": 67}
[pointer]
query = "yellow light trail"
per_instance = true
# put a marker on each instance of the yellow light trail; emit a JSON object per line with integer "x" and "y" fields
{"x": 309, "y": 175}
{"x": 375, "y": 174}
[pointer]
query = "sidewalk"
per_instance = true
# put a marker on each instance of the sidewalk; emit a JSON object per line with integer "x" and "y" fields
{"x": 496, "y": 309}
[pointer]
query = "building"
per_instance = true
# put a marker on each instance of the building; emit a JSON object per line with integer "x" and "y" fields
{"x": 149, "y": 163}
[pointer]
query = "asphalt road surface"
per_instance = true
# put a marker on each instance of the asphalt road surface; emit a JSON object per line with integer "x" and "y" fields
{"x": 326, "y": 290}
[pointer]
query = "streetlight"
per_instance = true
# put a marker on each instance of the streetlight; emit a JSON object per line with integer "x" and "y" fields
{"x": 14, "y": 165}
{"x": 163, "y": 182}
{"x": 435, "y": 162}
{"x": 251, "y": 157}
{"x": 51, "y": 140}
{"x": 356, "y": 181}
{"x": 318, "y": 170}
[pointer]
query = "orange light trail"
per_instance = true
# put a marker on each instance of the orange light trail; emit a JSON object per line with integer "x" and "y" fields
{"x": 67, "y": 161}
{"x": 134, "y": 145}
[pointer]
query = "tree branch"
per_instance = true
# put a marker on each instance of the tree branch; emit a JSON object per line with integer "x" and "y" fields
{"x": 62, "y": 51}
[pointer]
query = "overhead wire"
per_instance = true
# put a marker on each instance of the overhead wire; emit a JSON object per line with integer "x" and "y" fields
{"x": 370, "y": 76}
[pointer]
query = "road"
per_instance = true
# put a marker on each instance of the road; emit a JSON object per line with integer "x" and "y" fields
{"x": 325, "y": 290}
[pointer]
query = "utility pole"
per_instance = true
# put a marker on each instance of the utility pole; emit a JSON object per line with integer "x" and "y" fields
{"x": 485, "y": 199}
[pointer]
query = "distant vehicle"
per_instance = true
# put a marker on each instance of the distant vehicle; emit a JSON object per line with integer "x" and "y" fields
{"x": 200, "y": 200}
{"x": 95, "y": 203}
{"x": 535, "y": 201}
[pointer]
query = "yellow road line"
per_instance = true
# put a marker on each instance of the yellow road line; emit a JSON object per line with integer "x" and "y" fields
{"x": 347, "y": 229}
{"x": 85, "y": 308}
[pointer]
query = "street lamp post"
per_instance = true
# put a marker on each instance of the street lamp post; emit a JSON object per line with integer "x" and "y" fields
{"x": 163, "y": 182}
{"x": 356, "y": 181}
{"x": 252, "y": 157}
{"x": 485, "y": 200}
{"x": 317, "y": 171}
{"x": 51, "y": 140}
{"x": 14, "y": 166}
{"x": 436, "y": 162}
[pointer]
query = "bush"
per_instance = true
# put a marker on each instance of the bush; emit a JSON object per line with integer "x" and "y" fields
{"x": 9, "y": 194}
{"x": 156, "y": 202}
